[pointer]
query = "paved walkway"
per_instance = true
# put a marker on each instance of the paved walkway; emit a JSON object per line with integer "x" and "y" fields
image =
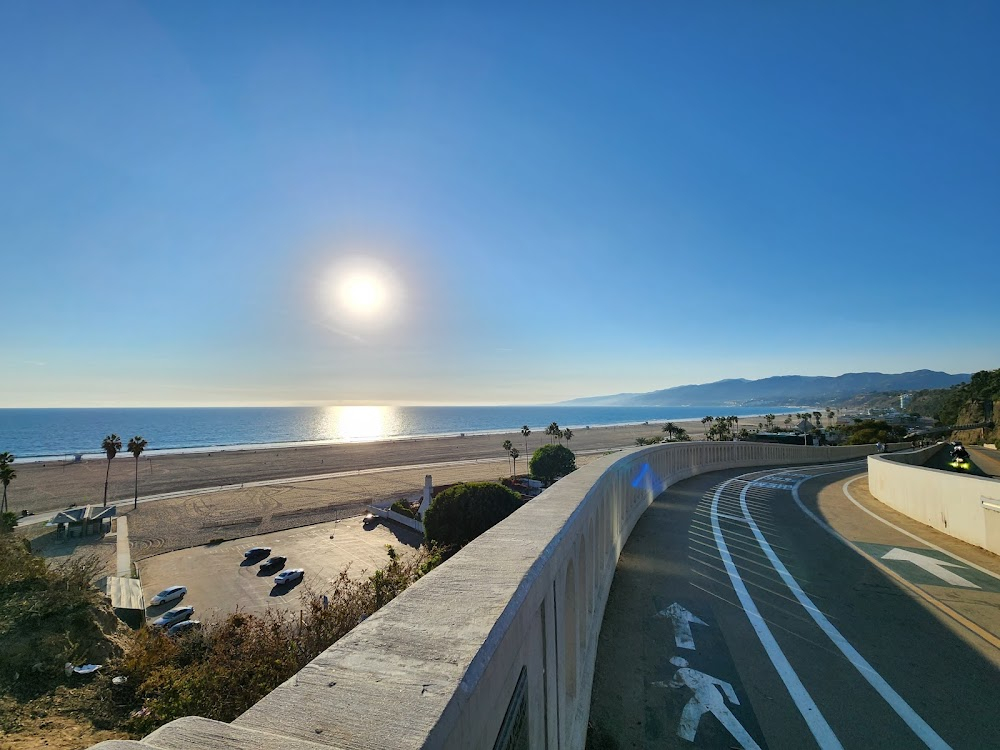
{"x": 124, "y": 553}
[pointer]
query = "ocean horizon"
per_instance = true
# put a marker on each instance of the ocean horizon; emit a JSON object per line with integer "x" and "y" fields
{"x": 38, "y": 434}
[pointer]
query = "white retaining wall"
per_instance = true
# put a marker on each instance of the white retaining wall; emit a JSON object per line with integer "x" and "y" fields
{"x": 516, "y": 613}
{"x": 963, "y": 506}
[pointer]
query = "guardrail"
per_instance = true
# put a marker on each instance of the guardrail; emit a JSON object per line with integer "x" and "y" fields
{"x": 963, "y": 506}
{"x": 495, "y": 648}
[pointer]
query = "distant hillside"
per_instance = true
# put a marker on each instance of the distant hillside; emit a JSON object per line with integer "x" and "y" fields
{"x": 781, "y": 390}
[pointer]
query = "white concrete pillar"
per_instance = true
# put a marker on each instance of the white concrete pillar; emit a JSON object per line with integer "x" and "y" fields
{"x": 425, "y": 503}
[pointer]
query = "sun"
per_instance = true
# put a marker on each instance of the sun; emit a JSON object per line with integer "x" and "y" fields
{"x": 363, "y": 295}
{"x": 360, "y": 295}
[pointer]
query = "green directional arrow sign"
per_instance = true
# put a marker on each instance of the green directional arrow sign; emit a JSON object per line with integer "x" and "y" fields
{"x": 928, "y": 567}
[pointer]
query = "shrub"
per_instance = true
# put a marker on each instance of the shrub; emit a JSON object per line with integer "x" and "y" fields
{"x": 461, "y": 513}
{"x": 222, "y": 670}
{"x": 49, "y": 614}
{"x": 552, "y": 461}
{"x": 403, "y": 508}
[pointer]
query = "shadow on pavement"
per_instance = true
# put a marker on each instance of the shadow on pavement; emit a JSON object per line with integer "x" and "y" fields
{"x": 283, "y": 589}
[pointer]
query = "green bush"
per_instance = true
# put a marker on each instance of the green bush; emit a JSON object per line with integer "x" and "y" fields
{"x": 551, "y": 462}
{"x": 462, "y": 512}
{"x": 403, "y": 509}
{"x": 873, "y": 431}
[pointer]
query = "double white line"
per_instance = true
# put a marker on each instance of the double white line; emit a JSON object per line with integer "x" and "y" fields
{"x": 814, "y": 718}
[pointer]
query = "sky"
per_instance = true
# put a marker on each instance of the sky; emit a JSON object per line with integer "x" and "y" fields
{"x": 235, "y": 203}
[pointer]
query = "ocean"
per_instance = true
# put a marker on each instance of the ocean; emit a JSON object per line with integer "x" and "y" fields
{"x": 49, "y": 433}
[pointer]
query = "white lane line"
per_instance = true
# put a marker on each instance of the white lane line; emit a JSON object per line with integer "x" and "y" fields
{"x": 731, "y": 517}
{"x": 888, "y": 523}
{"x": 800, "y": 696}
{"x": 920, "y": 727}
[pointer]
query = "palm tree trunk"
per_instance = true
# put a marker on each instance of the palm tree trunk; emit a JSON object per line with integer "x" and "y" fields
{"x": 4, "y": 508}
{"x": 136, "y": 503}
{"x": 106, "y": 473}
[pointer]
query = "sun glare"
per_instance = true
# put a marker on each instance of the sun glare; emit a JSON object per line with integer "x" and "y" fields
{"x": 355, "y": 423}
{"x": 362, "y": 294}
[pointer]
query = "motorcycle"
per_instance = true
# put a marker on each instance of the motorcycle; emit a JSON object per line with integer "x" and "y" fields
{"x": 960, "y": 459}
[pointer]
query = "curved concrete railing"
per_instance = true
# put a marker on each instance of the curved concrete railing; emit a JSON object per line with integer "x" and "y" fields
{"x": 963, "y": 506}
{"x": 495, "y": 648}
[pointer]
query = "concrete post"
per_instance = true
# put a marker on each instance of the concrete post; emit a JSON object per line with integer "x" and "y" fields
{"x": 425, "y": 503}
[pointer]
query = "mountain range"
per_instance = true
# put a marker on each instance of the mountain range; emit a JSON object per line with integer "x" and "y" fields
{"x": 780, "y": 390}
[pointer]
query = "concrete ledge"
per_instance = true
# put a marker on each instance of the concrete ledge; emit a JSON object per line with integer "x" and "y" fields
{"x": 956, "y": 504}
{"x": 194, "y": 731}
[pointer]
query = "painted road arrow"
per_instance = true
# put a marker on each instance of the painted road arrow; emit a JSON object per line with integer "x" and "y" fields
{"x": 682, "y": 620}
{"x": 932, "y": 565}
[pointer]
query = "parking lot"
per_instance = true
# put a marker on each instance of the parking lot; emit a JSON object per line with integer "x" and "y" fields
{"x": 219, "y": 580}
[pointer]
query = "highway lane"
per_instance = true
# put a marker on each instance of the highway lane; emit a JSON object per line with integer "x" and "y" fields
{"x": 986, "y": 459}
{"x": 942, "y": 462}
{"x": 801, "y": 619}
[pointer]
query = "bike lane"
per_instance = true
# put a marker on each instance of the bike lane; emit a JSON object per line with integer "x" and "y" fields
{"x": 822, "y": 648}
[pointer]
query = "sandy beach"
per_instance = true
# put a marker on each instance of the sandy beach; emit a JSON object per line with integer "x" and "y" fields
{"x": 232, "y": 494}
{"x": 55, "y": 485}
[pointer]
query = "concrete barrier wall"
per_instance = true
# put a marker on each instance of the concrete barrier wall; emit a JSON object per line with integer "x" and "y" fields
{"x": 963, "y": 506}
{"x": 496, "y": 648}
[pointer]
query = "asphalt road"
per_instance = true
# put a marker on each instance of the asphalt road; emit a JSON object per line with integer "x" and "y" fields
{"x": 986, "y": 459}
{"x": 979, "y": 463}
{"x": 771, "y": 609}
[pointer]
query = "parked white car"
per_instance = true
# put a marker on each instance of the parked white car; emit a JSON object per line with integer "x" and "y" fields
{"x": 287, "y": 576}
{"x": 172, "y": 617}
{"x": 169, "y": 595}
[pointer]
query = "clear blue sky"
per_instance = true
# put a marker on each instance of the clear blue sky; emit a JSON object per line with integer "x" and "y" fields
{"x": 554, "y": 202}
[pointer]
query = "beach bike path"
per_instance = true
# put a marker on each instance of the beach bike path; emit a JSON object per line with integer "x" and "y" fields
{"x": 770, "y": 609}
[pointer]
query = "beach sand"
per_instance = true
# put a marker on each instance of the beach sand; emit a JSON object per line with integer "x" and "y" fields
{"x": 55, "y": 485}
{"x": 363, "y": 473}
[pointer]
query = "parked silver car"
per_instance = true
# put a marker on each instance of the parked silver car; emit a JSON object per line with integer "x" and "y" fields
{"x": 169, "y": 595}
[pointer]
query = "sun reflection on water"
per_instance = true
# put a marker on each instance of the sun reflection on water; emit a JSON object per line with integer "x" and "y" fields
{"x": 356, "y": 423}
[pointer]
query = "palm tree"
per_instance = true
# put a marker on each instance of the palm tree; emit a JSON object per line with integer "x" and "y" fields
{"x": 525, "y": 431}
{"x": 110, "y": 445}
{"x": 818, "y": 418}
{"x": 769, "y": 420}
{"x": 707, "y": 421}
{"x": 552, "y": 430}
{"x": 682, "y": 435}
{"x": 507, "y": 446}
{"x": 7, "y": 475}
{"x": 829, "y": 416}
{"x": 136, "y": 446}
{"x": 568, "y": 434}
{"x": 671, "y": 429}
{"x": 514, "y": 453}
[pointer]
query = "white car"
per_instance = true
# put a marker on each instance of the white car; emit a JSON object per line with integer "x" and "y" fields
{"x": 182, "y": 627}
{"x": 287, "y": 576}
{"x": 169, "y": 595}
{"x": 172, "y": 617}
